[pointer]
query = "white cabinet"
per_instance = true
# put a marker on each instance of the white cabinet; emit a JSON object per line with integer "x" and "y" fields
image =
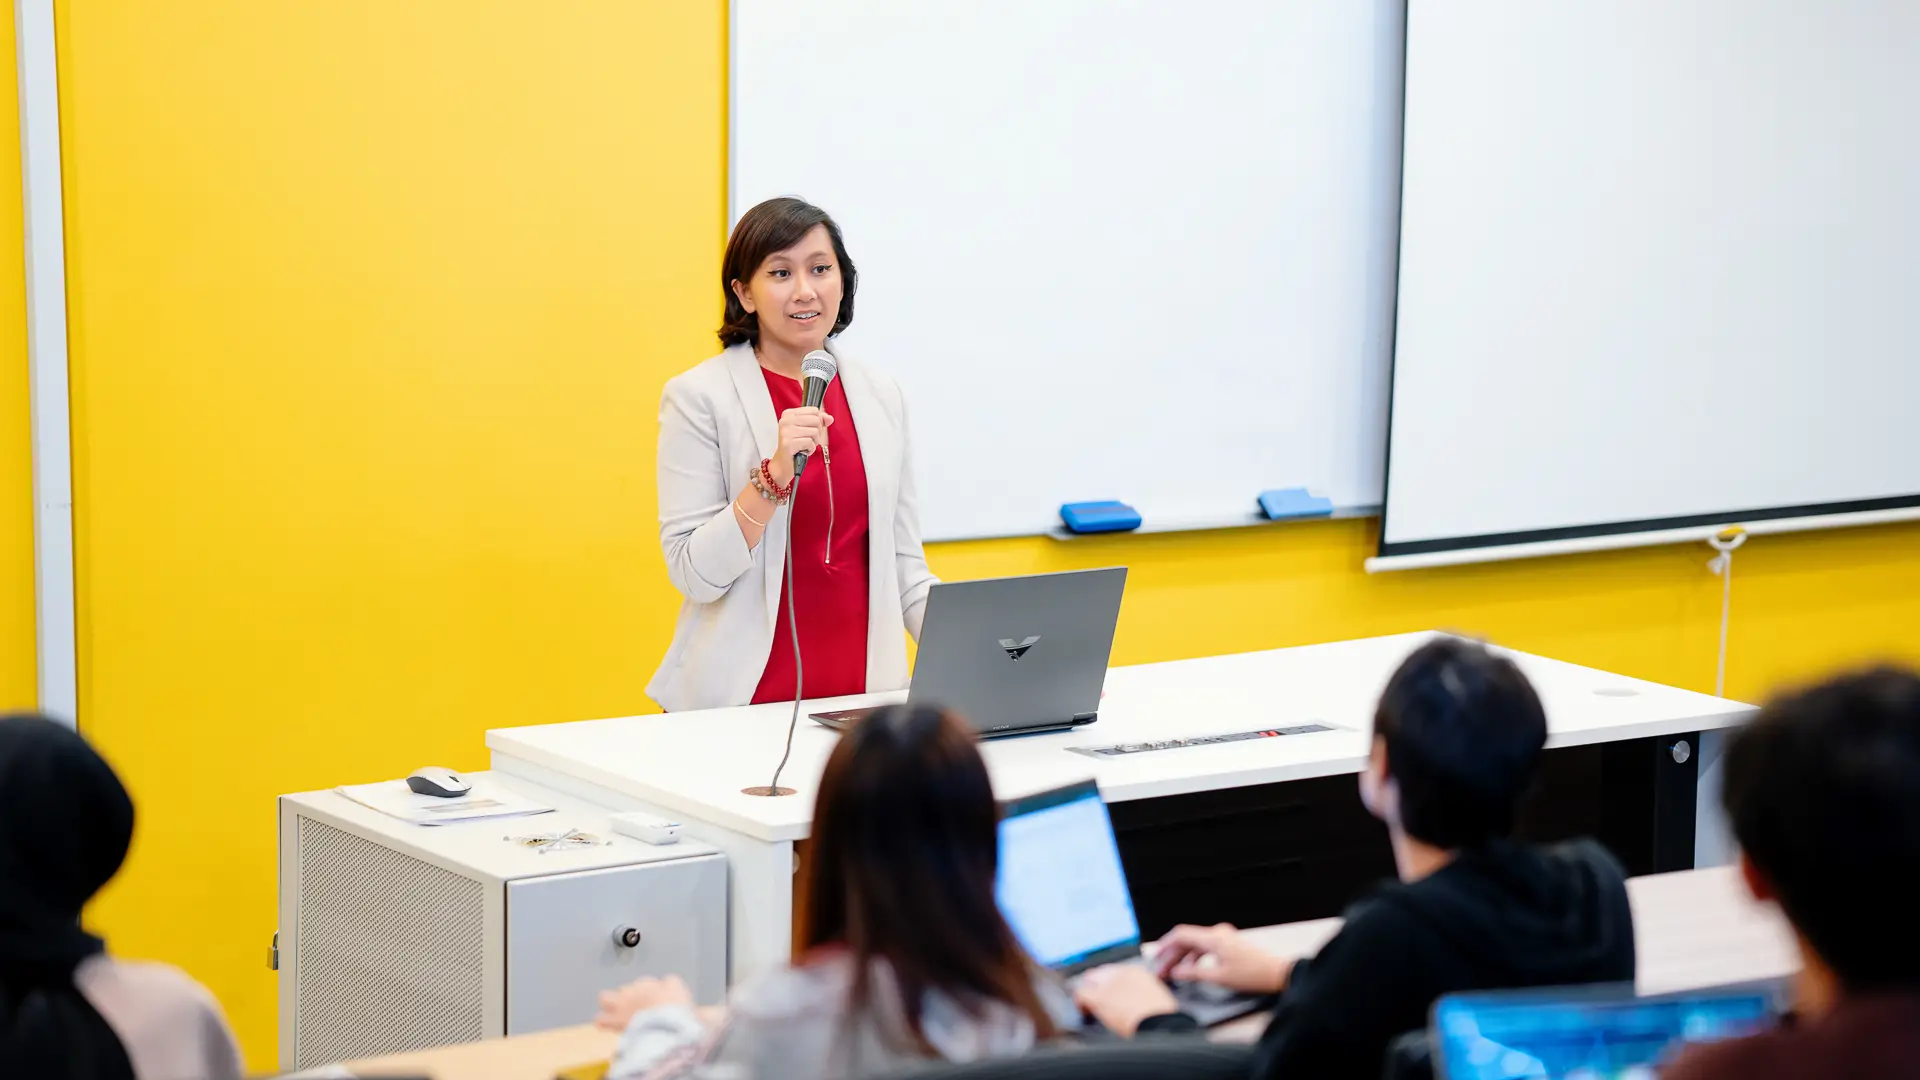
{"x": 395, "y": 936}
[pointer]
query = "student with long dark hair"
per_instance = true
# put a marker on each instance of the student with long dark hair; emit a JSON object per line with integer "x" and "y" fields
{"x": 68, "y": 1011}
{"x": 905, "y": 954}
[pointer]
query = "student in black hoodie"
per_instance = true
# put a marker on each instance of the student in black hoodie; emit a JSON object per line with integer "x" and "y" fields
{"x": 1457, "y": 740}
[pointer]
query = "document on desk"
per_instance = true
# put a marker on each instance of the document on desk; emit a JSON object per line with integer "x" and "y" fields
{"x": 395, "y": 798}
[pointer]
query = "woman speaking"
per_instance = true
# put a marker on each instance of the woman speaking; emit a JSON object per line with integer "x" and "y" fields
{"x": 731, "y": 506}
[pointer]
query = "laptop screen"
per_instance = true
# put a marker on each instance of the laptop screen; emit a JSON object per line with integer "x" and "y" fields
{"x": 1061, "y": 886}
{"x": 1597, "y": 1034}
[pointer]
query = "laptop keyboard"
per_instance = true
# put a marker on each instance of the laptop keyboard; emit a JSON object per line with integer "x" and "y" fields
{"x": 1208, "y": 1003}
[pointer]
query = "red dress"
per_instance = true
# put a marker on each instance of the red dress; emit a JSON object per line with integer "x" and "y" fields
{"x": 829, "y": 569}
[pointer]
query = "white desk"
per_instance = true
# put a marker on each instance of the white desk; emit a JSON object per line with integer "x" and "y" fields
{"x": 1692, "y": 929}
{"x": 692, "y": 765}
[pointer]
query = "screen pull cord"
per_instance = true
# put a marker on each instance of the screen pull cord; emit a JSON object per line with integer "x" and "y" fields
{"x": 1725, "y": 543}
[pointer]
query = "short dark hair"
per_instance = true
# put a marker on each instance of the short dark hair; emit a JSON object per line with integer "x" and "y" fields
{"x": 1464, "y": 733}
{"x": 1823, "y": 791}
{"x": 774, "y": 226}
{"x": 901, "y": 868}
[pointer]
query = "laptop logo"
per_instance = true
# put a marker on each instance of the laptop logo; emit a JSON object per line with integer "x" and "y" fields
{"x": 1017, "y": 649}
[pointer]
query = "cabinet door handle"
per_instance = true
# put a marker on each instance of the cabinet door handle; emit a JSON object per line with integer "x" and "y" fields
{"x": 626, "y": 937}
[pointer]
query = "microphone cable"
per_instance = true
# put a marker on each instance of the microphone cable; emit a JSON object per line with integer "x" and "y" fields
{"x": 799, "y": 665}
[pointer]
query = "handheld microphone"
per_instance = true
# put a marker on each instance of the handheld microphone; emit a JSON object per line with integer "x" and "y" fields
{"x": 817, "y": 369}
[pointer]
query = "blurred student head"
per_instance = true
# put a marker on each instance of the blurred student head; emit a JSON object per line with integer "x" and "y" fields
{"x": 1457, "y": 739}
{"x": 1823, "y": 792}
{"x": 903, "y": 854}
{"x": 65, "y": 825}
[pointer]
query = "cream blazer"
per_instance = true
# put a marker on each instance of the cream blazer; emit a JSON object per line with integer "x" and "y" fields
{"x": 716, "y": 422}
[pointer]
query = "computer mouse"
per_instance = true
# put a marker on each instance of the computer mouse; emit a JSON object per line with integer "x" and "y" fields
{"x": 440, "y": 782}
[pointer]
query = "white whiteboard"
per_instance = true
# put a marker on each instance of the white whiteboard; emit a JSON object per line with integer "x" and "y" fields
{"x": 1138, "y": 250}
{"x": 1659, "y": 270}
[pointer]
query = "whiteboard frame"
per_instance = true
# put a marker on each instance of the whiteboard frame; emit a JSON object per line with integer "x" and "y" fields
{"x": 733, "y": 119}
{"x": 1205, "y": 521}
{"x": 55, "y": 614}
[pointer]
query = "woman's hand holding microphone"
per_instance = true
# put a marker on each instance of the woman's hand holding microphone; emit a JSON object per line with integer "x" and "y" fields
{"x": 802, "y": 431}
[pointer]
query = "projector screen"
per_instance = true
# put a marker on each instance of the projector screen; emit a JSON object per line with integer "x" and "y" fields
{"x": 1659, "y": 273}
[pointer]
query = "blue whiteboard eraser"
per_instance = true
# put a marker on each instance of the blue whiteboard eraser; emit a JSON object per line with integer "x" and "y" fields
{"x": 1293, "y": 503}
{"x": 1099, "y": 517}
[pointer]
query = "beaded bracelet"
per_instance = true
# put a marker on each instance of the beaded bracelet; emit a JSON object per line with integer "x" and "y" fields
{"x": 762, "y": 477}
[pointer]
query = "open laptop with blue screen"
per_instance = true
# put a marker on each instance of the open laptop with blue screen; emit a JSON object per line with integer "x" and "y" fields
{"x": 1064, "y": 891}
{"x": 1593, "y": 1033}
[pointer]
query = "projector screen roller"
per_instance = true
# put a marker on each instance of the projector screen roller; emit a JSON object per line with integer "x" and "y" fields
{"x": 1659, "y": 272}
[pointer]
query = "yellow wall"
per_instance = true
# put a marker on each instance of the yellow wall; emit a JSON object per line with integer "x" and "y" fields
{"x": 371, "y": 305}
{"x": 16, "y": 457}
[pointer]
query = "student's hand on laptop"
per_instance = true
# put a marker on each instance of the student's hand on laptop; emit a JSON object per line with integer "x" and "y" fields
{"x": 1120, "y": 996}
{"x": 619, "y": 1006}
{"x": 1219, "y": 954}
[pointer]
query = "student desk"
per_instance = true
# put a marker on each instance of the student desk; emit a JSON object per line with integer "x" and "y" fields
{"x": 1691, "y": 929}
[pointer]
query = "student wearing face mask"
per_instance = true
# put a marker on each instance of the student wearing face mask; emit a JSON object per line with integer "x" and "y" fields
{"x": 1457, "y": 741}
{"x": 731, "y": 507}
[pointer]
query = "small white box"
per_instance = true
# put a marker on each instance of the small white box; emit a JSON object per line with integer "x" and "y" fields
{"x": 646, "y": 828}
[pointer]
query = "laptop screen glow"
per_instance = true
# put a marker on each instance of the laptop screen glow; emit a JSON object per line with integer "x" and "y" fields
{"x": 1061, "y": 885}
{"x": 1584, "y": 1036}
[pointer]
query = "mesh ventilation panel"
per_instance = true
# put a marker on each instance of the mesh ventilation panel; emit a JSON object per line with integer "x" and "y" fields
{"x": 390, "y": 951}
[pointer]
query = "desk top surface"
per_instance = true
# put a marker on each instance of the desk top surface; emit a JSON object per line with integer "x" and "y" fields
{"x": 1692, "y": 929}
{"x": 539, "y": 1056}
{"x": 695, "y": 764}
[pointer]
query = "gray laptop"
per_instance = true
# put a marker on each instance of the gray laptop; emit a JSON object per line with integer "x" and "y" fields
{"x": 1015, "y": 655}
